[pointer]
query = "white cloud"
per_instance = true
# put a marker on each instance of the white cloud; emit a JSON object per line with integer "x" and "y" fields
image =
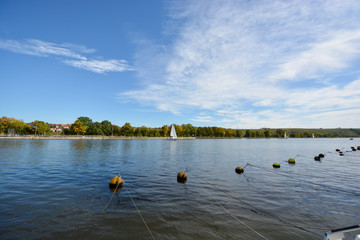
{"x": 101, "y": 66}
{"x": 70, "y": 54}
{"x": 39, "y": 48}
{"x": 231, "y": 55}
{"x": 328, "y": 56}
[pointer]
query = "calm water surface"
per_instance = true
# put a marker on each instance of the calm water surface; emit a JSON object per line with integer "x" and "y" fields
{"x": 58, "y": 189}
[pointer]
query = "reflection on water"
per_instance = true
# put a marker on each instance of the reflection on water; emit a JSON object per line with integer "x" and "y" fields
{"x": 59, "y": 189}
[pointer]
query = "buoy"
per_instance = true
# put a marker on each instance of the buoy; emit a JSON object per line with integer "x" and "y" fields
{"x": 352, "y": 148}
{"x": 181, "y": 177}
{"x": 338, "y": 150}
{"x": 317, "y": 158}
{"x": 341, "y": 154}
{"x": 115, "y": 189}
{"x": 116, "y": 182}
{"x": 358, "y": 147}
{"x": 321, "y": 155}
{"x": 276, "y": 165}
{"x": 291, "y": 161}
{"x": 239, "y": 170}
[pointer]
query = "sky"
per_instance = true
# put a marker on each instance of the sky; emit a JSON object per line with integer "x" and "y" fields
{"x": 233, "y": 64}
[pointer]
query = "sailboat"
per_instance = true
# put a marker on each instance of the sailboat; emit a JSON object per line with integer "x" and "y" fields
{"x": 285, "y": 135}
{"x": 313, "y": 136}
{"x": 173, "y": 135}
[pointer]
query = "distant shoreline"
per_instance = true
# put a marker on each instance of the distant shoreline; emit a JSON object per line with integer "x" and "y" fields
{"x": 89, "y": 137}
{"x": 86, "y": 137}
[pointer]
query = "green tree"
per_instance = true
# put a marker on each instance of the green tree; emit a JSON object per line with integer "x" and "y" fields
{"x": 267, "y": 133}
{"x": 259, "y": 134}
{"x": 229, "y": 133}
{"x": 106, "y": 127}
{"x": 144, "y": 131}
{"x": 116, "y": 130}
{"x": 40, "y": 127}
{"x": 11, "y": 123}
{"x": 154, "y": 132}
{"x": 280, "y": 133}
{"x": 164, "y": 131}
{"x": 248, "y": 134}
{"x": 86, "y": 121}
{"x": 238, "y": 133}
{"x": 95, "y": 129}
{"x": 127, "y": 130}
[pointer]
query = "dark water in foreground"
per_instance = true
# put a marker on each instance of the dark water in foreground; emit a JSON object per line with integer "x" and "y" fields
{"x": 58, "y": 189}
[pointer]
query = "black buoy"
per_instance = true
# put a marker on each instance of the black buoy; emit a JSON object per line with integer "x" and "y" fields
{"x": 341, "y": 154}
{"x": 321, "y": 155}
{"x": 317, "y": 158}
{"x": 338, "y": 150}
{"x": 239, "y": 170}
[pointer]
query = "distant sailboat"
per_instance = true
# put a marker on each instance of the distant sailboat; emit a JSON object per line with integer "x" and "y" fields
{"x": 285, "y": 135}
{"x": 173, "y": 135}
{"x": 313, "y": 136}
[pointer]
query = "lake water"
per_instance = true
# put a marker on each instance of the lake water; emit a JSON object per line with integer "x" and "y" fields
{"x": 58, "y": 189}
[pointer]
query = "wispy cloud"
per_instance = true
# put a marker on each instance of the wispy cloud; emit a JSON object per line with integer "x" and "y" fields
{"x": 68, "y": 53}
{"x": 101, "y": 66}
{"x": 244, "y": 56}
{"x": 329, "y": 56}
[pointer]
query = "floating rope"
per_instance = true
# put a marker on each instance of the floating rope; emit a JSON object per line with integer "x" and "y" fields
{"x": 137, "y": 209}
{"x": 260, "y": 210}
{"x": 107, "y": 205}
{"x": 234, "y": 216}
{"x": 139, "y": 212}
{"x": 318, "y": 184}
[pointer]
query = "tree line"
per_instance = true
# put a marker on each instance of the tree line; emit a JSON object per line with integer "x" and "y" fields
{"x": 86, "y": 126}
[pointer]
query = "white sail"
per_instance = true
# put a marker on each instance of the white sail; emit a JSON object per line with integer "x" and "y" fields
{"x": 173, "y": 132}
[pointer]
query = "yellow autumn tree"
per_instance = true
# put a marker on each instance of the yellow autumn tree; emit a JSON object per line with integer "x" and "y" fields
{"x": 79, "y": 127}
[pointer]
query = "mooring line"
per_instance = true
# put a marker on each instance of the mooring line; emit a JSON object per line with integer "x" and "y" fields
{"x": 107, "y": 205}
{"x": 318, "y": 184}
{"x": 269, "y": 214}
{"x": 137, "y": 209}
{"x": 139, "y": 212}
{"x": 234, "y": 216}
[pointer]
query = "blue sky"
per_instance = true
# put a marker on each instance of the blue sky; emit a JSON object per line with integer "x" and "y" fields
{"x": 239, "y": 64}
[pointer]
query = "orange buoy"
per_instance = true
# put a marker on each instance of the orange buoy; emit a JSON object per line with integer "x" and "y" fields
{"x": 116, "y": 182}
{"x": 181, "y": 177}
{"x": 239, "y": 170}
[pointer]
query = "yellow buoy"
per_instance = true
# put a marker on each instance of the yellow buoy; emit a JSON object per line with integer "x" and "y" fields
{"x": 276, "y": 165}
{"x": 181, "y": 177}
{"x": 116, "y": 182}
{"x": 239, "y": 170}
{"x": 291, "y": 161}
